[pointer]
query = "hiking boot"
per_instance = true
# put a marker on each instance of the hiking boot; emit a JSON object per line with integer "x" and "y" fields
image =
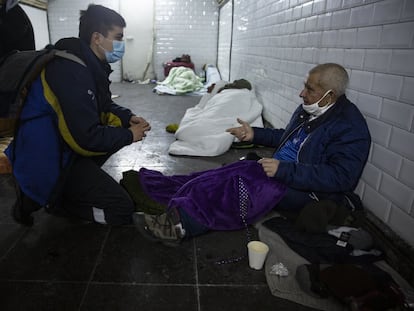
{"x": 23, "y": 208}
{"x": 165, "y": 228}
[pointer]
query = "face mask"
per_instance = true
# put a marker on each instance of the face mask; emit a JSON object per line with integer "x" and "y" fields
{"x": 314, "y": 109}
{"x": 118, "y": 50}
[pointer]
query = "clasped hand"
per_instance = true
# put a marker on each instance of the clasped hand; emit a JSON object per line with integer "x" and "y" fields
{"x": 138, "y": 126}
{"x": 246, "y": 133}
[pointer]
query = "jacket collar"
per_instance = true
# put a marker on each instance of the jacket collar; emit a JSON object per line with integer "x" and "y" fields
{"x": 83, "y": 51}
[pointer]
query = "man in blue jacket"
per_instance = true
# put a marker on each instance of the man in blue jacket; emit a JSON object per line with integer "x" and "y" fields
{"x": 322, "y": 151}
{"x": 320, "y": 155}
{"x": 69, "y": 126}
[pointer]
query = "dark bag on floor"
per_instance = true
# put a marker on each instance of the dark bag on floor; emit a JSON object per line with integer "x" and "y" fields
{"x": 361, "y": 287}
{"x": 364, "y": 287}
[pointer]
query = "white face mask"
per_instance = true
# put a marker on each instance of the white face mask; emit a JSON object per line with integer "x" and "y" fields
{"x": 314, "y": 109}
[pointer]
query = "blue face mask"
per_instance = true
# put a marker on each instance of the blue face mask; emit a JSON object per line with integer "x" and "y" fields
{"x": 118, "y": 50}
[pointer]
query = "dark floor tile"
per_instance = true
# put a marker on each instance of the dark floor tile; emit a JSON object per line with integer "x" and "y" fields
{"x": 137, "y": 297}
{"x": 54, "y": 249}
{"x": 129, "y": 257}
{"x": 217, "y": 246}
{"x": 9, "y": 235}
{"x": 8, "y": 197}
{"x": 246, "y": 298}
{"x": 45, "y": 296}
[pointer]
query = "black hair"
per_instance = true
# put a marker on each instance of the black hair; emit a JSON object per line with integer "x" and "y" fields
{"x": 98, "y": 18}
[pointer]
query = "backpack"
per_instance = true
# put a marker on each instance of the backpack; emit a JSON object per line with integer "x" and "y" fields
{"x": 18, "y": 70}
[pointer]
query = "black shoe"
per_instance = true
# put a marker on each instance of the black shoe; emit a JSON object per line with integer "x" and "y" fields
{"x": 23, "y": 208}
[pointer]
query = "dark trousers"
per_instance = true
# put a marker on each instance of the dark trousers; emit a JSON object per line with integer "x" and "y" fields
{"x": 91, "y": 194}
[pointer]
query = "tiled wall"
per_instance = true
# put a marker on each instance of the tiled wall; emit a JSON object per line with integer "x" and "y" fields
{"x": 276, "y": 42}
{"x": 63, "y": 19}
{"x": 185, "y": 27}
{"x": 224, "y": 40}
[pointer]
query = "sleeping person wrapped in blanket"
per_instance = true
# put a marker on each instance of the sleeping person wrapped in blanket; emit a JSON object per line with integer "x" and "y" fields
{"x": 202, "y": 130}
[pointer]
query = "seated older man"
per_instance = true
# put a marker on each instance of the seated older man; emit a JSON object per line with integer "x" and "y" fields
{"x": 319, "y": 156}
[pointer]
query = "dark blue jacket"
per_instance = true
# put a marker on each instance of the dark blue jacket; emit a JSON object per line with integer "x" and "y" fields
{"x": 331, "y": 159}
{"x": 68, "y": 112}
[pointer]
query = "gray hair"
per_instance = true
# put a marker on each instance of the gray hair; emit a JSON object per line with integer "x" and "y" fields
{"x": 332, "y": 76}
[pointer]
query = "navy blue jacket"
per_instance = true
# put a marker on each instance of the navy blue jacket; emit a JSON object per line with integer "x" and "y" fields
{"x": 331, "y": 159}
{"x": 68, "y": 112}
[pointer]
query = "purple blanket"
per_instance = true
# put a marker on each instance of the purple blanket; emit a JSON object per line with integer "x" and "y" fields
{"x": 216, "y": 198}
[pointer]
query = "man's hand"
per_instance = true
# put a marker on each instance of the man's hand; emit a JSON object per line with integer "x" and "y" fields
{"x": 137, "y": 120}
{"x": 270, "y": 166}
{"x": 138, "y": 127}
{"x": 243, "y": 132}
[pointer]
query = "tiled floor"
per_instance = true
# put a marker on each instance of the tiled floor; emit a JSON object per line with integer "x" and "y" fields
{"x": 62, "y": 264}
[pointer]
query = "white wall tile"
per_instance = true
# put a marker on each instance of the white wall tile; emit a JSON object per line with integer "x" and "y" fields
{"x": 372, "y": 175}
{"x": 407, "y": 173}
{"x": 324, "y": 21}
{"x": 376, "y": 203}
{"x": 397, "y": 35}
{"x": 354, "y": 59}
{"x": 362, "y": 15}
{"x": 224, "y": 41}
{"x": 402, "y": 142}
{"x": 380, "y": 131}
{"x": 318, "y": 7}
{"x": 399, "y": 114}
{"x": 333, "y": 5}
{"x": 352, "y": 3}
{"x": 347, "y": 38}
{"x": 368, "y": 37}
{"x": 311, "y": 23}
{"x": 329, "y": 38}
{"x": 397, "y": 192}
{"x": 408, "y": 10}
{"x": 387, "y": 11}
{"x": 402, "y": 62}
{"x": 341, "y": 19}
{"x": 377, "y": 60}
{"x": 402, "y": 224}
{"x": 387, "y": 85}
{"x": 361, "y": 80}
{"x": 407, "y": 92}
{"x": 386, "y": 160}
{"x": 307, "y": 9}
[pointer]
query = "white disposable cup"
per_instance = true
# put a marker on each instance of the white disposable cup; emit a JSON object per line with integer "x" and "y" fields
{"x": 257, "y": 254}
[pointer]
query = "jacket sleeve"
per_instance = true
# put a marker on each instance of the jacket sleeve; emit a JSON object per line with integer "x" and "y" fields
{"x": 74, "y": 89}
{"x": 114, "y": 114}
{"x": 267, "y": 136}
{"x": 331, "y": 159}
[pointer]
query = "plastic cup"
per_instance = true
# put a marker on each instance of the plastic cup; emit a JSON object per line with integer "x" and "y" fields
{"x": 257, "y": 254}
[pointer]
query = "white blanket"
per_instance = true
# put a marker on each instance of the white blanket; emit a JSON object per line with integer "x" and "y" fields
{"x": 202, "y": 130}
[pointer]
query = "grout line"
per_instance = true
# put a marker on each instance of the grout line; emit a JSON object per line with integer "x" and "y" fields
{"x": 95, "y": 266}
{"x": 131, "y": 283}
{"x": 196, "y": 275}
{"x": 19, "y": 238}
